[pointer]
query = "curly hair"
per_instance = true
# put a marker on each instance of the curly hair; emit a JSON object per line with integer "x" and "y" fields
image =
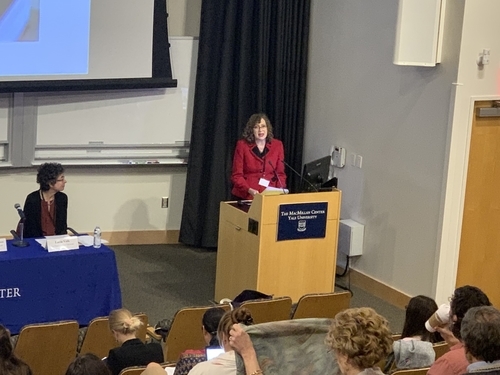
{"x": 48, "y": 174}
{"x": 240, "y": 315}
{"x": 9, "y": 363}
{"x": 419, "y": 309}
{"x": 463, "y": 299}
{"x": 481, "y": 333}
{"x": 360, "y": 334}
{"x": 254, "y": 120}
{"x": 123, "y": 321}
{"x": 88, "y": 364}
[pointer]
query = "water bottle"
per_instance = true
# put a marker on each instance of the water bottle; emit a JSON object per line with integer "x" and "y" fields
{"x": 97, "y": 237}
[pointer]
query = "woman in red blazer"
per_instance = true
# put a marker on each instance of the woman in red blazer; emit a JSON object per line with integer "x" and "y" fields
{"x": 258, "y": 159}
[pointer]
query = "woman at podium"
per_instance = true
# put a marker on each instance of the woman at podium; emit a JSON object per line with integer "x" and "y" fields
{"x": 258, "y": 159}
{"x": 46, "y": 209}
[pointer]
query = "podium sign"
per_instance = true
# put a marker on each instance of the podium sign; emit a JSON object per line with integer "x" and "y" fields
{"x": 302, "y": 220}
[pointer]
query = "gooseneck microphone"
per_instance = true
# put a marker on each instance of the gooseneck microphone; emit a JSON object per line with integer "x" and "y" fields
{"x": 19, "y": 235}
{"x": 300, "y": 176}
{"x": 17, "y": 206}
{"x": 277, "y": 177}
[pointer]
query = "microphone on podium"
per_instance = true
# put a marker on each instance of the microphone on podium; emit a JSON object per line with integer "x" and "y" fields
{"x": 277, "y": 177}
{"x": 302, "y": 179}
{"x": 19, "y": 237}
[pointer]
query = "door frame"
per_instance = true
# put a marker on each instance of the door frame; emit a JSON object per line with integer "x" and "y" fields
{"x": 454, "y": 187}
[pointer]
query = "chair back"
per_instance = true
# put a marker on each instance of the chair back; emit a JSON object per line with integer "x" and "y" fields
{"x": 185, "y": 331}
{"x": 413, "y": 371}
{"x": 441, "y": 348}
{"x": 48, "y": 348}
{"x": 291, "y": 347}
{"x": 321, "y": 305}
{"x": 269, "y": 310}
{"x": 99, "y": 340}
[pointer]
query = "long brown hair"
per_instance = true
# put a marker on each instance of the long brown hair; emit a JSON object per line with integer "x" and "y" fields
{"x": 9, "y": 363}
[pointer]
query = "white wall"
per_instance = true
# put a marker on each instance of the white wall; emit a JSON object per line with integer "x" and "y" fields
{"x": 396, "y": 118}
{"x": 480, "y": 30}
{"x": 116, "y": 198}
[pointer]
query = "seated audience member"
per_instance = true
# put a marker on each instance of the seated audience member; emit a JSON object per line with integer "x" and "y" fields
{"x": 132, "y": 352}
{"x": 189, "y": 358}
{"x": 414, "y": 349}
{"x": 225, "y": 363}
{"x": 9, "y": 363}
{"x": 358, "y": 337}
{"x": 46, "y": 209}
{"x": 481, "y": 337}
{"x": 454, "y": 362}
{"x": 87, "y": 364}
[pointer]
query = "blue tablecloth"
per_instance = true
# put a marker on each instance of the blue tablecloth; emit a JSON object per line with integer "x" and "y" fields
{"x": 37, "y": 286}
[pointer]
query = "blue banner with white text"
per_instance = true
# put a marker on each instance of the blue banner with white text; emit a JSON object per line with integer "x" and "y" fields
{"x": 302, "y": 220}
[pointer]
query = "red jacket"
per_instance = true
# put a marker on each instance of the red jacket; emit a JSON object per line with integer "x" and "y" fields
{"x": 248, "y": 168}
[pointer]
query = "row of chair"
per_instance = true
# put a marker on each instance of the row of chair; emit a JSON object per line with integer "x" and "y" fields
{"x": 48, "y": 348}
{"x": 185, "y": 329}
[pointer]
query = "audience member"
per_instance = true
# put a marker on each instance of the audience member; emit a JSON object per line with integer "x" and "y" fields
{"x": 154, "y": 369}
{"x": 46, "y": 209}
{"x": 359, "y": 338}
{"x": 189, "y": 358}
{"x": 225, "y": 363}
{"x": 87, "y": 364}
{"x": 9, "y": 363}
{"x": 481, "y": 337}
{"x": 132, "y": 352}
{"x": 414, "y": 349}
{"x": 454, "y": 362}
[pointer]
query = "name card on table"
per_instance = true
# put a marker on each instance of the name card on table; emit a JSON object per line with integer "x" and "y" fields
{"x": 3, "y": 244}
{"x": 58, "y": 243}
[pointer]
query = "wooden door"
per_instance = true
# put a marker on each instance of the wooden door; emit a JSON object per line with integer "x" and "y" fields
{"x": 479, "y": 258}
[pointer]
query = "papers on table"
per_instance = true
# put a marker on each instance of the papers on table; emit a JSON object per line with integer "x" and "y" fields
{"x": 274, "y": 190}
{"x": 84, "y": 240}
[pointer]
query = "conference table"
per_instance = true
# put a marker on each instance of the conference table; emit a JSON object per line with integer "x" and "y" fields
{"x": 37, "y": 286}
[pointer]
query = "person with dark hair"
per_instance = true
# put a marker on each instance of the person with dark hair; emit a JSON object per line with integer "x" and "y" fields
{"x": 191, "y": 357}
{"x": 455, "y": 362}
{"x": 481, "y": 337}
{"x": 87, "y": 364}
{"x": 46, "y": 209}
{"x": 414, "y": 349}
{"x": 258, "y": 159}
{"x": 225, "y": 363}
{"x": 132, "y": 352}
{"x": 9, "y": 363}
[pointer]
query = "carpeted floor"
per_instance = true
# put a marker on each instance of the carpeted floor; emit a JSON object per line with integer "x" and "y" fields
{"x": 161, "y": 279}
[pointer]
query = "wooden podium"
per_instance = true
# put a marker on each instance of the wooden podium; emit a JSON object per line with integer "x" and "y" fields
{"x": 250, "y": 256}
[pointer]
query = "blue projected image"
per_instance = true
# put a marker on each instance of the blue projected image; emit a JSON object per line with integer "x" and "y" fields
{"x": 44, "y": 37}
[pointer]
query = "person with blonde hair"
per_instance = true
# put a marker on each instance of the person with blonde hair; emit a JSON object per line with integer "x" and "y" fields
{"x": 132, "y": 352}
{"x": 359, "y": 338}
{"x": 225, "y": 363}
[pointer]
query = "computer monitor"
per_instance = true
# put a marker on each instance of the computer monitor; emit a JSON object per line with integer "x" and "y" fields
{"x": 315, "y": 176}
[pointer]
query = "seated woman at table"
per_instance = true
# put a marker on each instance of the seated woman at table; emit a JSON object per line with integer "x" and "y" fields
{"x": 46, "y": 209}
{"x": 9, "y": 363}
{"x": 132, "y": 352}
{"x": 258, "y": 159}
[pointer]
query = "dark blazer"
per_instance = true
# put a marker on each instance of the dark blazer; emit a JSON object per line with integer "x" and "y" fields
{"x": 248, "y": 168}
{"x": 133, "y": 353}
{"x": 33, "y": 213}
